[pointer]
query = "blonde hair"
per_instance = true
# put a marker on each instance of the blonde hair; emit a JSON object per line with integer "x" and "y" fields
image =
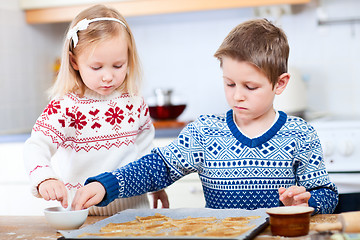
{"x": 260, "y": 43}
{"x": 68, "y": 79}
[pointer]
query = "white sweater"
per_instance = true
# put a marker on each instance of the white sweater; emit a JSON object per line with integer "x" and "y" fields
{"x": 76, "y": 138}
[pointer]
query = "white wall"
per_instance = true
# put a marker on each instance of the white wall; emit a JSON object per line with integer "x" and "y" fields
{"x": 177, "y": 52}
{"x": 329, "y": 56}
{"x": 27, "y": 55}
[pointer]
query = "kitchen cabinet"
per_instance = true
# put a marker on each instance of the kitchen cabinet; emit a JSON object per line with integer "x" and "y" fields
{"x": 186, "y": 193}
{"x": 42, "y": 11}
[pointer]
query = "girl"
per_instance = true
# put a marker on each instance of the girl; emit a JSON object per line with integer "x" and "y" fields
{"x": 96, "y": 121}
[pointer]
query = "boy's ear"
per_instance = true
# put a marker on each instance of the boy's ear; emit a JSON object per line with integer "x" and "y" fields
{"x": 282, "y": 83}
{"x": 73, "y": 61}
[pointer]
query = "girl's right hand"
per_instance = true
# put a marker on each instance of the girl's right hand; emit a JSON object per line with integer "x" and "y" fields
{"x": 53, "y": 189}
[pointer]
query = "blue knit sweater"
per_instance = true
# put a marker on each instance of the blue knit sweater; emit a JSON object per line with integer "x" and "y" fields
{"x": 235, "y": 171}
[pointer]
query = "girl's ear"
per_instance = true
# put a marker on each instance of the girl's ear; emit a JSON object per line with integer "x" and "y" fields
{"x": 282, "y": 83}
{"x": 73, "y": 61}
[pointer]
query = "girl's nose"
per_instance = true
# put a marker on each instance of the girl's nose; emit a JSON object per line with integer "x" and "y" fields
{"x": 107, "y": 77}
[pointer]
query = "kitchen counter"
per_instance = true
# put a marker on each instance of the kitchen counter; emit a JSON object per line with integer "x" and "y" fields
{"x": 168, "y": 128}
{"x": 36, "y": 227}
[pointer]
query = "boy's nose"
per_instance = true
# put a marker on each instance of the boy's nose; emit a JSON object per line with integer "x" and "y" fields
{"x": 239, "y": 95}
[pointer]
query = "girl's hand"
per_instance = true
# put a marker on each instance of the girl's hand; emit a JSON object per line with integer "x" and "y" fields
{"x": 53, "y": 189}
{"x": 163, "y": 197}
{"x": 294, "y": 196}
{"x": 89, "y": 195}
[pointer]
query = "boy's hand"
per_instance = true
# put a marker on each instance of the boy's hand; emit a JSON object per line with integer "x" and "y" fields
{"x": 163, "y": 197}
{"x": 294, "y": 196}
{"x": 88, "y": 196}
{"x": 53, "y": 189}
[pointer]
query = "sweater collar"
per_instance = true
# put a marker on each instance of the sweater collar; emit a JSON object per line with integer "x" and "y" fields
{"x": 255, "y": 142}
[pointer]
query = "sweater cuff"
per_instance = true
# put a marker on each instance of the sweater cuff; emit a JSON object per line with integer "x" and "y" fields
{"x": 111, "y": 185}
{"x": 312, "y": 203}
{"x": 39, "y": 175}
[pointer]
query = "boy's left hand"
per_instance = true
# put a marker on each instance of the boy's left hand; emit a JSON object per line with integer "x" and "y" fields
{"x": 294, "y": 196}
{"x": 162, "y": 196}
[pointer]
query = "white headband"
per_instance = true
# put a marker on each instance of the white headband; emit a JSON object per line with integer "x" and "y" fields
{"x": 84, "y": 24}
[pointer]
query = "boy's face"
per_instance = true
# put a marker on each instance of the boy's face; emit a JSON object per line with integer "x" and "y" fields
{"x": 248, "y": 91}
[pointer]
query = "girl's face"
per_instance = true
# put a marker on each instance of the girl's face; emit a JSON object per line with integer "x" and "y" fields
{"x": 103, "y": 67}
{"x": 248, "y": 91}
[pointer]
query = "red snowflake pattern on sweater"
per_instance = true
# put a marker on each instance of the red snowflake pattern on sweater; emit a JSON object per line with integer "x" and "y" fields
{"x": 114, "y": 115}
{"x": 98, "y": 124}
{"x": 78, "y": 120}
{"x": 53, "y": 107}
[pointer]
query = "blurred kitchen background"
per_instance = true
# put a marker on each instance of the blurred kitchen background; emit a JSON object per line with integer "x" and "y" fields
{"x": 176, "y": 51}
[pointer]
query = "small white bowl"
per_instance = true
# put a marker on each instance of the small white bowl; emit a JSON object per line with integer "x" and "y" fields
{"x": 62, "y": 219}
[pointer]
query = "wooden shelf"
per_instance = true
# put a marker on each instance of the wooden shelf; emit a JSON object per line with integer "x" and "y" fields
{"x": 146, "y": 7}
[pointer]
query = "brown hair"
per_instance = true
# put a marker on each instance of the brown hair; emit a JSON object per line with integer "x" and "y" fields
{"x": 68, "y": 79}
{"x": 260, "y": 43}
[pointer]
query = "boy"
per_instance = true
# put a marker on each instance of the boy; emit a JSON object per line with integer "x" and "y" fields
{"x": 251, "y": 157}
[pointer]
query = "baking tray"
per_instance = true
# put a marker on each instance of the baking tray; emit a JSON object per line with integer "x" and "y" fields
{"x": 179, "y": 213}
